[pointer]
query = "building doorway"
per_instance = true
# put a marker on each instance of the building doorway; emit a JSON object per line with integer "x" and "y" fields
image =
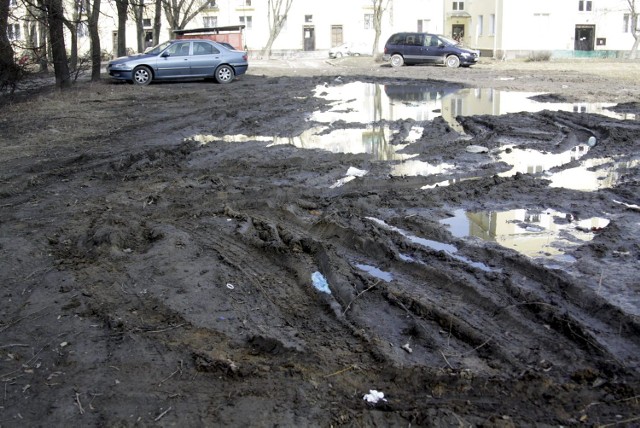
{"x": 336, "y": 35}
{"x": 457, "y": 32}
{"x": 309, "y": 37}
{"x": 585, "y": 37}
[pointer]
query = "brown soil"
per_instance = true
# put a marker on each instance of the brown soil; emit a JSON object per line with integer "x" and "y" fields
{"x": 150, "y": 279}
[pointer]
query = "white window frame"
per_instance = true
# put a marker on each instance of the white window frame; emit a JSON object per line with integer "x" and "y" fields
{"x": 13, "y": 32}
{"x": 458, "y": 5}
{"x": 492, "y": 24}
{"x": 207, "y": 21}
{"x": 585, "y": 5}
{"x": 368, "y": 21}
{"x": 247, "y": 21}
{"x": 82, "y": 29}
{"x": 480, "y": 25}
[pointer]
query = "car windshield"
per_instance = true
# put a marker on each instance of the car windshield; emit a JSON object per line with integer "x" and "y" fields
{"x": 449, "y": 41}
{"x": 155, "y": 50}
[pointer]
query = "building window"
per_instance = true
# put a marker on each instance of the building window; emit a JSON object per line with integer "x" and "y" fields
{"x": 308, "y": 19}
{"x": 212, "y": 4}
{"x": 424, "y": 25}
{"x": 13, "y": 3}
{"x": 368, "y": 21}
{"x": 146, "y": 22}
{"x": 458, "y": 5}
{"x": 492, "y": 24}
{"x": 210, "y": 21}
{"x": 13, "y": 31}
{"x": 480, "y": 25}
{"x": 247, "y": 21}
{"x": 82, "y": 30}
{"x": 584, "y": 5}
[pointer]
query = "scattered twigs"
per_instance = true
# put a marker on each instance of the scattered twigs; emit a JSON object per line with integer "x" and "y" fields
{"x": 162, "y": 414}
{"x": 16, "y": 321}
{"x": 173, "y": 327}
{"x": 358, "y": 295}
{"x": 79, "y": 404}
{"x": 626, "y": 421}
{"x": 15, "y": 345}
{"x": 351, "y": 367}
{"x": 445, "y": 360}
{"x": 178, "y": 370}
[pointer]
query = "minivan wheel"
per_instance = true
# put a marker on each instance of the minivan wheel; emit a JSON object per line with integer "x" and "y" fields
{"x": 397, "y": 60}
{"x": 453, "y": 61}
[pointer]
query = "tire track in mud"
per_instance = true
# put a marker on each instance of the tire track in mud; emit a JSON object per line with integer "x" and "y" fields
{"x": 488, "y": 302}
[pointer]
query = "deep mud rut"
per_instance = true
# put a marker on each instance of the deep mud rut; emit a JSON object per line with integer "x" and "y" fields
{"x": 154, "y": 273}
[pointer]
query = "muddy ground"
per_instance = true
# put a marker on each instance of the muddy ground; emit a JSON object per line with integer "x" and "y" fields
{"x": 155, "y": 273}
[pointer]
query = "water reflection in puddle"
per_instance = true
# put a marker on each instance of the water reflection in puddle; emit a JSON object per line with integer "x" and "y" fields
{"x": 375, "y": 272}
{"x": 360, "y": 102}
{"x": 451, "y": 250}
{"x": 546, "y": 233}
{"x": 589, "y": 175}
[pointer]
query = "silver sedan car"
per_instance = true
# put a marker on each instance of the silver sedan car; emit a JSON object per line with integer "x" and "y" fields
{"x": 181, "y": 59}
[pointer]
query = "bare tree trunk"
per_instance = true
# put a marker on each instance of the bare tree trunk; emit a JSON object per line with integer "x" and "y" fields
{"x": 276, "y": 15}
{"x": 157, "y": 23}
{"x": 73, "y": 57}
{"x": 379, "y": 7}
{"x": 137, "y": 11}
{"x": 633, "y": 16}
{"x": 43, "y": 40}
{"x": 55, "y": 19}
{"x": 93, "y": 12}
{"x": 122, "y": 6}
{"x": 8, "y": 67}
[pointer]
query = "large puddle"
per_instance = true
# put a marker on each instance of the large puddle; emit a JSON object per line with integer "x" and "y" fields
{"x": 372, "y": 105}
{"x": 544, "y": 234}
{"x": 361, "y": 102}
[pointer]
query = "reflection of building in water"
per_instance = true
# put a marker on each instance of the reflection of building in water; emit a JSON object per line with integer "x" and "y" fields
{"x": 593, "y": 174}
{"x": 534, "y": 162}
{"x": 532, "y": 233}
{"x": 369, "y": 102}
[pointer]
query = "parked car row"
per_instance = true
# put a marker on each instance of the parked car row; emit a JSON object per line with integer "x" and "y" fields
{"x": 199, "y": 58}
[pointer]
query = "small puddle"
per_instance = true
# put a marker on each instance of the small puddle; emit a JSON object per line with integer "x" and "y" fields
{"x": 375, "y": 272}
{"x": 451, "y": 250}
{"x": 546, "y": 234}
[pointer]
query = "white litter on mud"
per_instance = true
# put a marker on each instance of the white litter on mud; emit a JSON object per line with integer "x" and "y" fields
{"x": 320, "y": 283}
{"x": 352, "y": 173}
{"x": 373, "y": 397}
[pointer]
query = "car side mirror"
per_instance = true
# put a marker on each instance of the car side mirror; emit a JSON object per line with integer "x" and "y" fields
{"x": 165, "y": 54}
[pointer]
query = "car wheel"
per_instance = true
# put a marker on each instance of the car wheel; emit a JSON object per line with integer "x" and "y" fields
{"x": 397, "y": 60}
{"x": 452, "y": 61}
{"x": 224, "y": 74}
{"x": 339, "y": 55}
{"x": 142, "y": 75}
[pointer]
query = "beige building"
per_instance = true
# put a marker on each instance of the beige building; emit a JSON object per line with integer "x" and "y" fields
{"x": 499, "y": 28}
{"x": 516, "y": 28}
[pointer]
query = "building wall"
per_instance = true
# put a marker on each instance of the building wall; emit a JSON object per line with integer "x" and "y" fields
{"x": 520, "y": 27}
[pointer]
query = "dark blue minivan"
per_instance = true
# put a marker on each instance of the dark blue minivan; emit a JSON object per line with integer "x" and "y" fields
{"x": 425, "y": 48}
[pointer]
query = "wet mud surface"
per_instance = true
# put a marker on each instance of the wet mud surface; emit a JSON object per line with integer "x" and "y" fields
{"x": 271, "y": 251}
